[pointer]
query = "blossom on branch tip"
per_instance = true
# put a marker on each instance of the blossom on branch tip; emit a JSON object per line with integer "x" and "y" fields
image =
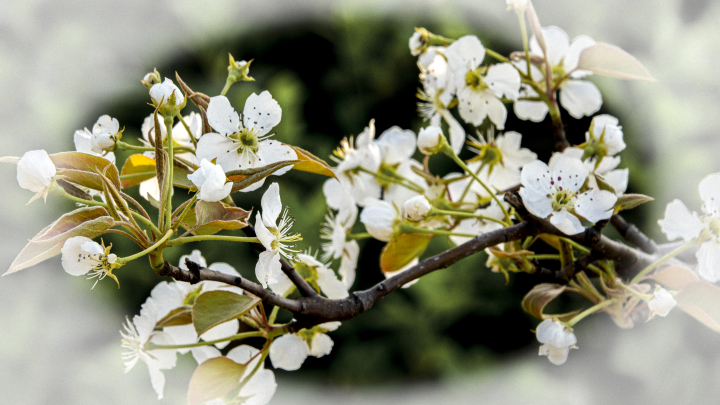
{"x": 244, "y": 144}
{"x": 662, "y": 303}
{"x": 430, "y": 139}
{"x": 35, "y": 172}
{"x": 417, "y": 208}
{"x": 680, "y": 223}
{"x": 81, "y": 256}
{"x": 161, "y": 93}
{"x": 290, "y": 351}
{"x": 211, "y": 182}
{"x": 556, "y": 340}
{"x": 275, "y": 237}
{"x": 553, "y": 191}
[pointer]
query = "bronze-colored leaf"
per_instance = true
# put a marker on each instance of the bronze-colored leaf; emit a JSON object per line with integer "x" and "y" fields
{"x": 402, "y": 249}
{"x": 535, "y": 301}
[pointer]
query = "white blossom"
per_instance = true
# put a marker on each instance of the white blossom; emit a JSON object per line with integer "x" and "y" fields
{"x": 81, "y": 256}
{"x": 606, "y": 126}
{"x": 275, "y": 237}
{"x": 244, "y": 144}
{"x": 417, "y": 208}
{"x": 416, "y": 43}
{"x": 680, "y": 223}
{"x": 353, "y": 154}
{"x": 211, "y": 181}
{"x": 290, "y": 351}
{"x": 35, "y": 171}
{"x": 104, "y": 135}
{"x": 429, "y": 139}
{"x": 396, "y": 145}
{"x": 503, "y": 157}
{"x": 662, "y": 303}
{"x": 258, "y": 389}
{"x": 135, "y": 339}
{"x": 556, "y": 340}
{"x": 161, "y": 93}
{"x": 579, "y": 97}
{"x": 554, "y": 191}
{"x": 379, "y": 218}
{"x": 328, "y": 282}
{"x": 479, "y": 90}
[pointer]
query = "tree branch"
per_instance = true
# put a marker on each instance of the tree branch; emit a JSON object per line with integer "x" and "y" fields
{"x": 632, "y": 234}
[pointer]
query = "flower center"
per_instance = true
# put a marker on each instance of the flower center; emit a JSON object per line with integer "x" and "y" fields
{"x": 558, "y": 72}
{"x": 247, "y": 139}
{"x": 563, "y": 199}
{"x": 474, "y": 80}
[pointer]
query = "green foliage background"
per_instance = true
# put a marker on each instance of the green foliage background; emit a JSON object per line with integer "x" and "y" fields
{"x": 330, "y": 79}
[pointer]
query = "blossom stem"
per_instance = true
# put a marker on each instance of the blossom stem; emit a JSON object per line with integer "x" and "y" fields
{"x": 576, "y": 245}
{"x": 169, "y": 174}
{"x": 121, "y": 146}
{"x": 464, "y": 214}
{"x": 168, "y": 234}
{"x": 451, "y": 154}
{"x": 379, "y": 176}
{"x": 544, "y": 257}
{"x": 228, "y": 84}
{"x": 496, "y": 55}
{"x": 184, "y": 212}
{"x": 644, "y": 297}
{"x": 187, "y": 239}
{"x": 239, "y": 336}
{"x": 660, "y": 261}
{"x": 587, "y": 312}
{"x": 523, "y": 31}
{"x": 187, "y": 128}
{"x": 64, "y": 194}
{"x": 358, "y": 236}
{"x": 405, "y": 228}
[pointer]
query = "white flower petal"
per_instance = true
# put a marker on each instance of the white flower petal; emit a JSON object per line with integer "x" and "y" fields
{"x": 557, "y": 42}
{"x": 222, "y": 117}
{"x": 35, "y": 171}
{"x": 662, "y": 302}
{"x": 455, "y": 130}
{"x": 221, "y": 331}
{"x": 709, "y": 261}
{"x": 260, "y": 389}
{"x": 348, "y": 263}
{"x": 396, "y": 145}
{"x": 465, "y": 53}
{"x": 618, "y": 179}
{"x": 261, "y": 113}
{"x": 268, "y": 268}
{"x": 595, "y": 205}
{"x": 378, "y": 217}
{"x": 330, "y": 285}
{"x": 570, "y": 62}
{"x": 273, "y": 151}
{"x": 75, "y": 260}
{"x": 289, "y": 352}
{"x": 680, "y": 223}
{"x": 566, "y": 222}
{"x": 710, "y": 194}
{"x": 556, "y": 355}
{"x": 534, "y": 111}
{"x": 504, "y": 80}
{"x": 429, "y": 139}
{"x": 555, "y": 333}
{"x": 580, "y": 98}
{"x": 194, "y": 256}
{"x": 203, "y": 353}
{"x": 321, "y": 345}
{"x": 271, "y": 205}
{"x": 215, "y": 146}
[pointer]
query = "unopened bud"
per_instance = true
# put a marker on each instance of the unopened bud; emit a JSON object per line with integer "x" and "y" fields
{"x": 239, "y": 71}
{"x": 151, "y": 79}
{"x": 417, "y": 208}
{"x": 429, "y": 140}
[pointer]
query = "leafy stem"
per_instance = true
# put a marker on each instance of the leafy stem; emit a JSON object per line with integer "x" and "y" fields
{"x": 123, "y": 260}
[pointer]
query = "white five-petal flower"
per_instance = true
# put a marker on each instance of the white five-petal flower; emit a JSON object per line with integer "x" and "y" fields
{"x": 81, "y": 256}
{"x": 275, "y": 237}
{"x": 290, "y": 351}
{"x": 556, "y": 341}
{"x": 244, "y": 144}
{"x": 104, "y": 135}
{"x": 680, "y": 223}
{"x": 553, "y": 191}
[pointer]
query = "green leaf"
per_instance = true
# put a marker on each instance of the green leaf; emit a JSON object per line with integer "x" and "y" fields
{"x": 701, "y": 300}
{"x": 603, "y": 184}
{"x": 213, "y": 379}
{"x": 609, "y": 60}
{"x": 88, "y": 221}
{"x": 215, "y": 307}
{"x": 402, "y": 249}
{"x": 82, "y": 168}
{"x": 138, "y": 168}
{"x": 176, "y": 317}
{"x": 311, "y": 163}
{"x": 629, "y": 201}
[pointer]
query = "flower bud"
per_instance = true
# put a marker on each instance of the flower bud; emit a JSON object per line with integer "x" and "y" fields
{"x": 239, "y": 71}
{"x": 417, "y": 208}
{"x": 35, "y": 171}
{"x": 417, "y": 43}
{"x": 151, "y": 79}
{"x": 429, "y": 140}
{"x": 662, "y": 303}
{"x": 379, "y": 218}
{"x": 168, "y": 97}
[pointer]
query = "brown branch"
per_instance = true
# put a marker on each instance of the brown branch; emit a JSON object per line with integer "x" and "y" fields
{"x": 632, "y": 234}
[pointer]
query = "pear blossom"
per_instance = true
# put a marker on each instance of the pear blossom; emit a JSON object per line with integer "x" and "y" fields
{"x": 274, "y": 236}
{"x": 290, "y": 351}
{"x": 35, "y": 172}
{"x": 257, "y": 389}
{"x": 661, "y": 303}
{"x": 416, "y": 43}
{"x": 81, "y": 256}
{"x": 335, "y": 228}
{"x": 478, "y": 226}
{"x": 353, "y": 154}
{"x": 680, "y": 223}
{"x": 397, "y": 194}
{"x": 328, "y": 282}
{"x": 616, "y": 178}
{"x": 211, "y": 181}
{"x": 104, "y": 135}
{"x": 135, "y": 339}
{"x": 534, "y": 111}
{"x": 161, "y": 93}
{"x": 556, "y": 340}
{"x": 606, "y": 127}
{"x": 503, "y": 157}
{"x": 396, "y": 145}
{"x": 437, "y": 93}
{"x": 479, "y": 90}
{"x": 244, "y": 144}
{"x": 379, "y": 217}
{"x": 554, "y": 191}
{"x": 417, "y": 208}
{"x": 579, "y": 97}
{"x": 429, "y": 139}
